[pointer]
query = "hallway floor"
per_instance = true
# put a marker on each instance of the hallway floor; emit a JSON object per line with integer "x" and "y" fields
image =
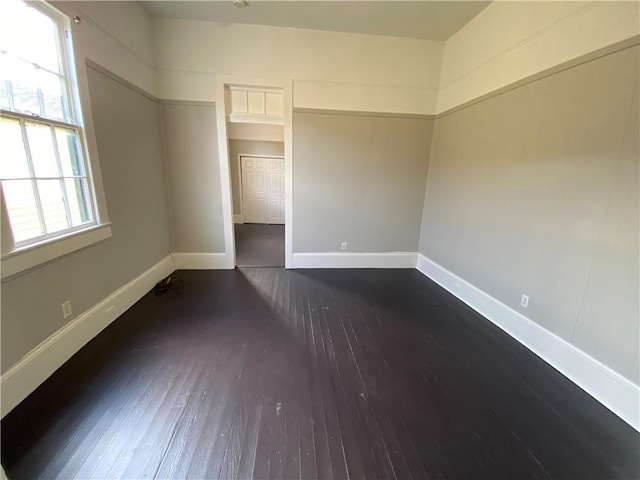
{"x": 259, "y": 245}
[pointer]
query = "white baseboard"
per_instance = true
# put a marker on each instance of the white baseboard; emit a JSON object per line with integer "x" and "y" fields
{"x": 203, "y": 261}
{"x": 355, "y": 260}
{"x": 34, "y": 368}
{"x": 237, "y": 218}
{"x": 615, "y": 392}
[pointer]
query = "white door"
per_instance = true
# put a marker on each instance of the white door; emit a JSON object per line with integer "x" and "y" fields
{"x": 262, "y": 189}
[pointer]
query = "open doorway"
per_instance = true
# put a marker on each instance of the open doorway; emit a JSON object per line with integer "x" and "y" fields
{"x": 255, "y": 136}
{"x": 259, "y": 232}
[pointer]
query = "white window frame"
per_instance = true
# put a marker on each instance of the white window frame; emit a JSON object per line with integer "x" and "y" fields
{"x": 22, "y": 256}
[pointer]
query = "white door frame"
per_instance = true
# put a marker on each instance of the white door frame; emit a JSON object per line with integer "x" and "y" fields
{"x": 225, "y": 172}
{"x": 255, "y": 155}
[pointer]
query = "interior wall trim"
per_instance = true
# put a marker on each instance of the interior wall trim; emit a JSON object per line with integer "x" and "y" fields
{"x": 203, "y": 261}
{"x": 355, "y": 260}
{"x": 117, "y": 78}
{"x": 361, "y": 113}
{"x": 589, "y": 57}
{"x": 611, "y": 389}
{"x": 188, "y": 103}
{"x": 38, "y": 365}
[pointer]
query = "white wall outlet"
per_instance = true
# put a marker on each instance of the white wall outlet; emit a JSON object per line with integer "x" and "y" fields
{"x": 525, "y": 301}
{"x": 343, "y": 246}
{"x": 66, "y": 309}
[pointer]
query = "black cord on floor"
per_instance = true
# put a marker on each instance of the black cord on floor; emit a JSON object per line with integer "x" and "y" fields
{"x": 172, "y": 282}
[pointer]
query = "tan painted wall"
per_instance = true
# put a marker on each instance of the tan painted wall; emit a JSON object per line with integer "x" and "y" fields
{"x": 191, "y": 145}
{"x": 535, "y": 191}
{"x": 358, "y": 179}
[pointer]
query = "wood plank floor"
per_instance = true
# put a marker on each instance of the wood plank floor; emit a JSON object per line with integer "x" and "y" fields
{"x": 268, "y": 373}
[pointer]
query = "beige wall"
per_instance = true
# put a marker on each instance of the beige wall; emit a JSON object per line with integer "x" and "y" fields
{"x": 254, "y": 147}
{"x": 509, "y": 41}
{"x": 330, "y": 70}
{"x": 191, "y": 145}
{"x": 358, "y": 179}
{"x": 127, "y": 127}
{"x": 535, "y": 191}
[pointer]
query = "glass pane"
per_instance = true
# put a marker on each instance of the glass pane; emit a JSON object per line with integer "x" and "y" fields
{"x": 4, "y": 95}
{"x": 24, "y": 86}
{"x": 42, "y": 153}
{"x": 52, "y": 200}
{"x": 21, "y": 205}
{"x": 78, "y": 200}
{"x": 13, "y": 159}
{"x": 5, "y": 101}
{"x": 52, "y": 96}
{"x": 69, "y": 151}
{"x": 29, "y": 34}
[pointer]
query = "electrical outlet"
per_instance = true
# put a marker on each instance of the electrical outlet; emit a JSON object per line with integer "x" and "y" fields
{"x": 343, "y": 246}
{"x": 525, "y": 301}
{"x": 66, "y": 309}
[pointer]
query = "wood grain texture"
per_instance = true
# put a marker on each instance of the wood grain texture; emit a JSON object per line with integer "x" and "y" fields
{"x": 268, "y": 373}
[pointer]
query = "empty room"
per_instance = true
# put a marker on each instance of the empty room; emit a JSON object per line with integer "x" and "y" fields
{"x": 320, "y": 239}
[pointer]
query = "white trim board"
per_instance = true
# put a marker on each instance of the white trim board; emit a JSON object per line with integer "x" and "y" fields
{"x": 237, "y": 218}
{"x": 611, "y": 389}
{"x": 38, "y": 365}
{"x": 203, "y": 261}
{"x": 354, "y": 260}
{"x": 24, "y": 259}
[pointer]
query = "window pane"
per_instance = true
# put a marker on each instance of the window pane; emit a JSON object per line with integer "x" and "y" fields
{"x": 24, "y": 86}
{"x": 30, "y": 62}
{"x": 52, "y": 200}
{"x": 5, "y": 102}
{"x": 78, "y": 200}
{"x": 4, "y": 94}
{"x": 29, "y": 34}
{"x": 13, "y": 159}
{"x": 42, "y": 153}
{"x": 52, "y": 97}
{"x": 68, "y": 149}
{"x": 21, "y": 205}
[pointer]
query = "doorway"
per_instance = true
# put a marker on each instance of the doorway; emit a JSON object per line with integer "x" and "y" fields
{"x": 259, "y": 236}
{"x": 254, "y": 120}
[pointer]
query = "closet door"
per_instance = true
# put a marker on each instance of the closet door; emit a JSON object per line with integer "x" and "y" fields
{"x": 275, "y": 211}
{"x": 254, "y": 190}
{"x": 262, "y": 189}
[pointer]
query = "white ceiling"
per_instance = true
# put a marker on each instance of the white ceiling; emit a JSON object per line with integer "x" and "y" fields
{"x": 427, "y": 20}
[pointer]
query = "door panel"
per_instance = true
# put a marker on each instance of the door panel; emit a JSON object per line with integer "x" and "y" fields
{"x": 276, "y": 190}
{"x": 253, "y": 190}
{"x": 262, "y": 189}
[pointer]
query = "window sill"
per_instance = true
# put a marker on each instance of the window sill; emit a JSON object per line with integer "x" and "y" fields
{"x": 26, "y": 258}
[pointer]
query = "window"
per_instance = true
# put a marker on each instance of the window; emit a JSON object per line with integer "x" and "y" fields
{"x": 45, "y": 180}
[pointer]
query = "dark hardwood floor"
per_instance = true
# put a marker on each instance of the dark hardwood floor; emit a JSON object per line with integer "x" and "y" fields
{"x": 267, "y": 373}
{"x": 259, "y": 245}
